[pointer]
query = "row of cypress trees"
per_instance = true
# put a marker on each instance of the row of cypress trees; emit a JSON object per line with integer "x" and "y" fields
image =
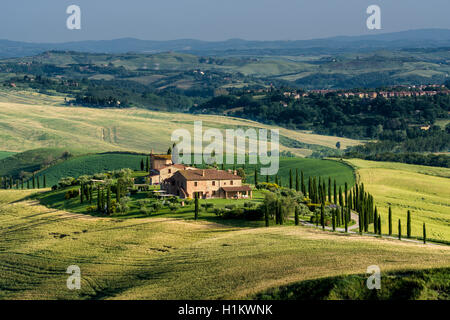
{"x": 33, "y": 183}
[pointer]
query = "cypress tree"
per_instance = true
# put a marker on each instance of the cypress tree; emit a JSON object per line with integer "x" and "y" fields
{"x": 345, "y": 191}
{"x": 310, "y": 189}
{"x": 424, "y": 234}
{"x": 90, "y": 193}
{"x": 297, "y": 182}
{"x": 37, "y": 179}
{"x": 303, "y": 183}
{"x": 335, "y": 192}
{"x": 196, "y": 206}
{"x": 360, "y": 222}
{"x": 399, "y": 230}
{"x": 266, "y": 216}
{"x": 322, "y": 216}
{"x": 98, "y": 199}
{"x": 22, "y": 184}
{"x": 390, "y": 221}
{"x": 291, "y": 182}
{"x": 81, "y": 194}
{"x": 147, "y": 164}
{"x": 34, "y": 182}
{"x": 267, "y": 178}
{"x": 375, "y": 222}
{"x": 296, "y": 216}
{"x": 256, "y": 177}
{"x": 329, "y": 189}
{"x": 45, "y": 181}
{"x": 333, "y": 219}
{"x": 346, "y": 225}
{"x": 108, "y": 201}
{"x": 341, "y": 201}
{"x": 379, "y": 225}
{"x": 142, "y": 164}
{"x": 408, "y": 225}
{"x": 28, "y": 184}
{"x": 276, "y": 180}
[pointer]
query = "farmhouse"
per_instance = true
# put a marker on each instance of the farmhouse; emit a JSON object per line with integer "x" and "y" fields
{"x": 162, "y": 168}
{"x": 208, "y": 183}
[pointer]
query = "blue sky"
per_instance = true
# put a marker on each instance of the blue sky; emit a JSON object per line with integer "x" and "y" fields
{"x": 45, "y": 20}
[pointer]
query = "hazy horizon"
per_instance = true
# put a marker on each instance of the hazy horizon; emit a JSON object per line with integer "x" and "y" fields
{"x": 209, "y": 20}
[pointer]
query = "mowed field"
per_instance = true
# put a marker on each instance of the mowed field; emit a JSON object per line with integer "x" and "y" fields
{"x": 162, "y": 258}
{"x": 26, "y": 126}
{"x": 425, "y": 191}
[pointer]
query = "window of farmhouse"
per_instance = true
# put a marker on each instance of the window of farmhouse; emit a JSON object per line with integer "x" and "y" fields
{"x": 231, "y": 182}
{"x": 195, "y": 183}
{"x": 213, "y": 183}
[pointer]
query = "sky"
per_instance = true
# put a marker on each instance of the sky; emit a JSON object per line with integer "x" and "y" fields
{"x": 213, "y": 20}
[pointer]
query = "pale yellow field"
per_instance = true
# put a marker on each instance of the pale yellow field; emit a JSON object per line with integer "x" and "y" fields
{"x": 25, "y": 125}
{"x": 425, "y": 191}
{"x": 161, "y": 258}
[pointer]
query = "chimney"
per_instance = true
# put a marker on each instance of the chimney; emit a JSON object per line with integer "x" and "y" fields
{"x": 203, "y": 173}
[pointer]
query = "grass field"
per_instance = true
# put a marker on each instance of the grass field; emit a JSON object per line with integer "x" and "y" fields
{"x": 432, "y": 284}
{"x": 166, "y": 258}
{"x": 5, "y": 154}
{"x": 101, "y": 130}
{"x": 423, "y": 190}
{"x": 91, "y": 164}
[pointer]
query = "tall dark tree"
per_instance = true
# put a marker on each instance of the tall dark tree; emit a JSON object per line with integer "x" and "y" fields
{"x": 45, "y": 181}
{"x": 291, "y": 179}
{"x": 329, "y": 190}
{"x": 379, "y": 225}
{"x": 38, "y": 183}
{"x": 297, "y": 181}
{"x": 267, "y": 178}
{"x": 266, "y": 216}
{"x": 335, "y": 193}
{"x": 256, "y": 177}
{"x": 333, "y": 219}
{"x": 399, "y": 229}
{"x": 81, "y": 193}
{"x": 276, "y": 180}
{"x": 196, "y": 206}
{"x": 390, "y": 221}
{"x": 296, "y": 216}
{"x": 108, "y": 201}
{"x": 98, "y": 199}
{"x": 346, "y": 225}
{"x": 345, "y": 192}
{"x": 147, "y": 164}
{"x": 28, "y": 184}
{"x": 34, "y": 182}
{"x": 424, "y": 233}
{"x": 322, "y": 216}
{"x": 302, "y": 181}
{"x": 142, "y": 164}
{"x": 408, "y": 225}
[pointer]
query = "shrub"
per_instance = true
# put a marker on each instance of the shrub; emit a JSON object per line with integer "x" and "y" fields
{"x": 71, "y": 194}
{"x": 230, "y": 206}
{"x": 249, "y": 204}
{"x": 91, "y": 209}
{"x": 173, "y": 207}
{"x": 146, "y": 210}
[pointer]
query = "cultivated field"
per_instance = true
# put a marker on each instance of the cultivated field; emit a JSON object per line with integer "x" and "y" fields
{"x": 163, "y": 258}
{"x": 423, "y": 190}
{"x": 24, "y": 126}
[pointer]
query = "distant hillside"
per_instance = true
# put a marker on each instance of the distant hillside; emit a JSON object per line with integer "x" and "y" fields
{"x": 423, "y": 38}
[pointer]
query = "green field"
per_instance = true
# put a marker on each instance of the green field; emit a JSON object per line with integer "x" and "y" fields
{"x": 91, "y": 164}
{"x": 422, "y": 190}
{"x": 103, "y": 130}
{"x": 167, "y": 258}
{"x": 5, "y": 154}
{"x": 431, "y": 284}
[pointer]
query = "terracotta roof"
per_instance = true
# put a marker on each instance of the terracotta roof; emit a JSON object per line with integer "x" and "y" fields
{"x": 207, "y": 174}
{"x": 162, "y": 156}
{"x": 234, "y": 189}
